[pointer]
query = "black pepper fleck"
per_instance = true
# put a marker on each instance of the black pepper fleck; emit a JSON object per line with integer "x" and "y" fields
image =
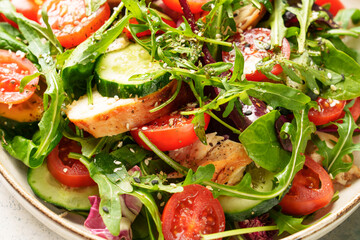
{"x": 105, "y": 209}
{"x": 137, "y": 180}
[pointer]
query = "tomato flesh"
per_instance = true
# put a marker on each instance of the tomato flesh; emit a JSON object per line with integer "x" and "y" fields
{"x": 311, "y": 190}
{"x": 190, "y": 213}
{"x": 69, "y": 22}
{"x": 335, "y": 5}
{"x": 354, "y": 109}
{"x": 255, "y": 44}
{"x": 68, "y": 171}
{"x": 329, "y": 110}
{"x": 195, "y": 5}
{"x": 12, "y": 69}
{"x": 169, "y": 132}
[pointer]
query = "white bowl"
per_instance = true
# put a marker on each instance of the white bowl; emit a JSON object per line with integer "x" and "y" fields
{"x": 70, "y": 225}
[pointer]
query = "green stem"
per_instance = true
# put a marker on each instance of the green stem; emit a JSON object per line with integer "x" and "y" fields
{"x": 196, "y": 36}
{"x": 181, "y": 169}
{"x": 238, "y": 232}
{"x": 170, "y": 99}
{"x": 236, "y": 131}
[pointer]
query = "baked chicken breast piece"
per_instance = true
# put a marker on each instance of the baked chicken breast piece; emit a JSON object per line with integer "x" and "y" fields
{"x": 229, "y": 158}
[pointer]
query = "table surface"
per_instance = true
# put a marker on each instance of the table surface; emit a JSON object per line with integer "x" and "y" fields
{"x": 16, "y": 223}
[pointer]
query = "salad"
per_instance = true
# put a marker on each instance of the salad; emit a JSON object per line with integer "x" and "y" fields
{"x": 175, "y": 119}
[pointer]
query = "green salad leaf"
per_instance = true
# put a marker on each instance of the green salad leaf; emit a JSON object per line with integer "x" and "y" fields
{"x": 334, "y": 156}
{"x": 261, "y": 135}
{"x": 287, "y": 223}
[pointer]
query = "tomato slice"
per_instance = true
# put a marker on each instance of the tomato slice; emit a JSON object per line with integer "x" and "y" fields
{"x": 195, "y": 5}
{"x": 354, "y": 110}
{"x": 335, "y": 5}
{"x": 311, "y": 190}
{"x": 192, "y": 212}
{"x": 255, "y": 44}
{"x": 69, "y": 22}
{"x": 169, "y": 22}
{"x": 169, "y": 132}
{"x": 68, "y": 171}
{"x": 329, "y": 110}
{"x": 13, "y": 67}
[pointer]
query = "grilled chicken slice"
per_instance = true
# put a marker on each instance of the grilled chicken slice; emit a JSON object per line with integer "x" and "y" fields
{"x": 28, "y": 111}
{"x": 248, "y": 16}
{"x": 229, "y": 158}
{"x": 112, "y": 116}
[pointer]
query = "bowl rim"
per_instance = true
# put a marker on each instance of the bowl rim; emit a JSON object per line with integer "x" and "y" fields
{"x": 319, "y": 228}
{"x": 41, "y": 208}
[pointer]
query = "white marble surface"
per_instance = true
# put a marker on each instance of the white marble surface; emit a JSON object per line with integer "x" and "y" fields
{"x": 16, "y": 223}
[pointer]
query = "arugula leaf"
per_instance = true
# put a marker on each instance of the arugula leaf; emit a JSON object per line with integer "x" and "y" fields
{"x": 333, "y": 157}
{"x": 150, "y": 204}
{"x": 278, "y": 29}
{"x": 279, "y": 95}
{"x": 262, "y": 135}
{"x": 203, "y": 173}
{"x": 219, "y": 23}
{"x": 51, "y": 123}
{"x": 303, "y": 14}
{"x": 93, "y": 5}
{"x": 9, "y": 42}
{"x": 334, "y": 60}
{"x": 10, "y": 30}
{"x": 287, "y": 223}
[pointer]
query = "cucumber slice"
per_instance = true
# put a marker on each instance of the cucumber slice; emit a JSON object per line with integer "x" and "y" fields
{"x": 239, "y": 209}
{"x": 129, "y": 72}
{"x": 46, "y": 187}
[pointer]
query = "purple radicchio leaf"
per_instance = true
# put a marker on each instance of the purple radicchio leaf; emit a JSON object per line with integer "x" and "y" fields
{"x": 130, "y": 208}
{"x": 130, "y": 205}
{"x": 260, "y": 221}
{"x": 250, "y": 113}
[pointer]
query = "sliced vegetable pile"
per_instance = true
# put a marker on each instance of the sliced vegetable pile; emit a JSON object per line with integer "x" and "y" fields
{"x": 175, "y": 119}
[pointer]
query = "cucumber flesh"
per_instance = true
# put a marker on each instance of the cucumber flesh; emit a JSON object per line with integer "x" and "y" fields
{"x": 239, "y": 209}
{"x": 129, "y": 72}
{"x": 46, "y": 187}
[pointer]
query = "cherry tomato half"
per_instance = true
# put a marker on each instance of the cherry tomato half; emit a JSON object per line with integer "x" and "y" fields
{"x": 147, "y": 32}
{"x": 354, "y": 110}
{"x": 192, "y": 212}
{"x": 255, "y": 45}
{"x": 329, "y": 110}
{"x": 68, "y": 171}
{"x": 311, "y": 190}
{"x": 335, "y": 5}
{"x": 13, "y": 68}
{"x": 195, "y": 5}
{"x": 69, "y": 22}
{"x": 169, "y": 132}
